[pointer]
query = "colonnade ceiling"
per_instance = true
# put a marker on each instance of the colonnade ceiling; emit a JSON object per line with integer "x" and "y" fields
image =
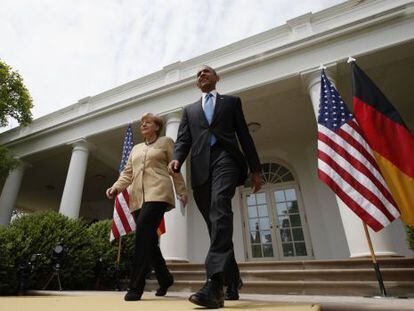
{"x": 283, "y": 111}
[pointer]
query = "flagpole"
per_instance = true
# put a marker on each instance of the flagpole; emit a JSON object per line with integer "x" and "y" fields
{"x": 117, "y": 265}
{"x": 118, "y": 257}
{"x": 374, "y": 262}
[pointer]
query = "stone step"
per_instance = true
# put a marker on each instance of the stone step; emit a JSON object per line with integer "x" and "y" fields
{"x": 332, "y": 288}
{"x": 389, "y": 274}
{"x": 364, "y": 263}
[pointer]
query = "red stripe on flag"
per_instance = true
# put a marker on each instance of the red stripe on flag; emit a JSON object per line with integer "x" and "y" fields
{"x": 357, "y": 145}
{"x": 367, "y": 218}
{"x": 115, "y": 231}
{"x": 122, "y": 216}
{"x": 126, "y": 196}
{"x": 357, "y": 164}
{"x": 390, "y": 139}
{"x": 361, "y": 189}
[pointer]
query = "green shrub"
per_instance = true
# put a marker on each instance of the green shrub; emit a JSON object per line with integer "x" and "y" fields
{"x": 410, "y": 237}
{"x": 40, "y": 233}
{"x": 107, "y": 253}
{"x": 89, "y": 256}
{"x": 8, "y": 272}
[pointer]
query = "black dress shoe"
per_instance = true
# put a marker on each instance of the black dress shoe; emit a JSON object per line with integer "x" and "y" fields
{"x": 232, "y": 291}
{"x": 162, "y": 290}
{"x": 210, "y": 295}
{"x": 133, "y": 295}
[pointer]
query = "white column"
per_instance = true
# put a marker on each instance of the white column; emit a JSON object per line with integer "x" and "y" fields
{"x": 174, "y": 242}
{"x": 9, "y": 194}
{"x": 72, "y": 193}
{"x": 354, "y": 231}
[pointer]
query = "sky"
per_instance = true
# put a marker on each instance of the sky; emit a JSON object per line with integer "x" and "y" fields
{"x": 66, "y": 50}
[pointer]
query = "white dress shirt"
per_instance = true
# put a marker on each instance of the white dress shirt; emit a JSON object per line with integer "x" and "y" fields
{"x": 213, "y": 98}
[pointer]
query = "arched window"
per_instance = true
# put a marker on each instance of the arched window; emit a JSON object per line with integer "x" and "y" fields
{"x": 273, "y": 173}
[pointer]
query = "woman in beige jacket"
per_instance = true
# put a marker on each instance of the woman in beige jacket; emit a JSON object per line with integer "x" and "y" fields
{"x": 151, "y": 195}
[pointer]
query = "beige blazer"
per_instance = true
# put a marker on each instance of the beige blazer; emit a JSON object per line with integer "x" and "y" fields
{"x": 147, "y": 173}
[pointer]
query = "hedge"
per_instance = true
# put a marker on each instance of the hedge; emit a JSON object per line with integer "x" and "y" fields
{"x": 107, "y": 252}
{"x": 88, "y": 255}
{"x": 8, "y": 273}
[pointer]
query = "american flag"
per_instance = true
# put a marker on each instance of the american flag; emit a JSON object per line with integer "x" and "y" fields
{"x": 123, "y": 221}
{"x": 346, "y": 162}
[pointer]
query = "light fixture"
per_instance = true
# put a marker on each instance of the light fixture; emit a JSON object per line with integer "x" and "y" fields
{"x": 254, "y": 127}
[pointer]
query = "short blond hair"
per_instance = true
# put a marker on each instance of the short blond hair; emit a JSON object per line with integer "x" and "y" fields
{"x": 156, "y": 119}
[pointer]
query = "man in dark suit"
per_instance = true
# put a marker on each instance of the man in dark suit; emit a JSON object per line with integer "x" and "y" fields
{"x": 212, "y": 128}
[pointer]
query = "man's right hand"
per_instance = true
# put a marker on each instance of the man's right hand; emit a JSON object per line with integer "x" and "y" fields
{"x": 174, "y": 166}
{"x": 111, "y": 192}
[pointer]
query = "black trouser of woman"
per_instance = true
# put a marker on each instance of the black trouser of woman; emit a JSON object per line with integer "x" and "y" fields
{"x": 147, "y": 252}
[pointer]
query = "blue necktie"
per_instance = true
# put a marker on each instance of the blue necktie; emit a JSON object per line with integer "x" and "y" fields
{"x": 208, "y": 111}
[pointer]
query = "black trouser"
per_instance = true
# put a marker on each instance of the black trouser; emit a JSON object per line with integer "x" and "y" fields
{"x": 214, "y": 202}
{"x": 147, "y": 252}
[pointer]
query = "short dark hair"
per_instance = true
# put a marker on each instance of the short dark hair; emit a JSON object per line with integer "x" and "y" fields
{"x": 209, "y": 67}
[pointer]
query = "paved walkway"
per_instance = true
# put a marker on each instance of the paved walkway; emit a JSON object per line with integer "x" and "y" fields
{"x": 109, "y": 301}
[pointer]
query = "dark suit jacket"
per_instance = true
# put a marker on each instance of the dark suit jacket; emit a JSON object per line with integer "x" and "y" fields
{"x": 228, "y": 121}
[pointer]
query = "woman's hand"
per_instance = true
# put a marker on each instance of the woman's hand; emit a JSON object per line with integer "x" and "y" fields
{"x": 111, "y": 193}
{"x": 184, "y": 199}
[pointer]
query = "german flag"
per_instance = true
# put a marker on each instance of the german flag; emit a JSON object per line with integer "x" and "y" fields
{"x": 389, "y": 138}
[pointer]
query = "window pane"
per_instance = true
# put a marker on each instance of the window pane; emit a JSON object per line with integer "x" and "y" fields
{"x": 256, "y": 251}
{"x": 284, "y": 222}
{"x": 266, "y": 237}
{"x": 254, "y": 224}
{"x": 281, "y": 208}
{"x": 298, "y": 234}
{"x": 300, "y": 249}
{"x": 293, "y": 207}
{"x": 264, "y": 223}
{"x": 261, "y": 198}
{"x": 295, "y": 220}
{"x": 251, "y": 200}
{"x": 252, "y": 211}
{"x": 288, "y": 177}
{"x": 254, "y": 237}
{"x": 285, "y": 235}
{"x": 262, "y": 210}
{"x": 273, "y": 167}
{"x": 290, "y": 195}
{"x": 267, "y": 250}
{"x": 274, "y": 179}
{"x": 279, "y": 196}
{"x": 282, "y": 171}
{"x": 288, "y": 250}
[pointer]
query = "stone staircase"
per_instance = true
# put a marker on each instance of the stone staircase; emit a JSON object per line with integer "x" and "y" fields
{"x": 351, "y": 277}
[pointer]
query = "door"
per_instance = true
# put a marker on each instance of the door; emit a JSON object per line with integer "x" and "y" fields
{"x": 275, "y": 223}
